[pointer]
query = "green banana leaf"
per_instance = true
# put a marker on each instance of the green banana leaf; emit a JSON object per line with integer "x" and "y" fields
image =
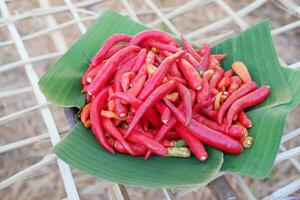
{"x": 61, "y": 85}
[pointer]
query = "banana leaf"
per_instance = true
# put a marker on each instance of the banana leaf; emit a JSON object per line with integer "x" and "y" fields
{"x": 61, "y": 84}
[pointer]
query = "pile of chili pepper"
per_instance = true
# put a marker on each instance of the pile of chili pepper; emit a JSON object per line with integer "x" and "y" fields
{"x": 147, "y": 95}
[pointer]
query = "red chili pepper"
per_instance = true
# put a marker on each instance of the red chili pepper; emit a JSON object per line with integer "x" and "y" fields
{"x": 204, "y": 93}
{"x": 138, "y": 150}
{"x": 85, "y": 114}
{"x": 193, "y": 62}
{"x": 164, "y": 111}
{"x": 208, "y": 74}
{"x": 215, "y": 79}
{"x": 114, "y": 132}
{"x": 235, "y": 82}
{"x": 190, "y": 48}
{"x": 155, "y": 147}
{"x": 219, "y": 57}
{"x": 229, "y": 73}
{"x": 109, "y": 43}
{"x": 137, "y": 87}
{"x": 158, "y": 77}
{"x": 211, "y": 137}
{"x": 140, "y": 60}
{"x": 96, "y": 106}
{"x": 163, "y": 131}
{"x": 194, "y": 144}
{"x": 126, "y": 65}
{"x": 136, "y": 103}
{"x": 233, "y": 131}
{"x": 205, "y": 61}
{"x": 209, "y": 112}
{"x": 245, "y": 120}
{"x": 114, "y": 50}
{"x": 249, "y": 100}
{"x": 93, "y": 73}
{"x": 177, "y": 79}
{"x": 125, "y": 80}
{"x": 187, "y": 101}
{"x": 174, "y": 71}
{"x": 232, "y": 98}
{"x": 224, "y": 83}
{"x": 190, "y": 74}
{"x": 153, "y": 35}
{"x": 108, "y": 69}
{"x": 145, "y": 124}
{"x": 155, "y": 96}
{"x": 143, "y": 70}
{"x": 111, "y": 115}
{"x": 172, "y": 135}
{"x": 163, "y": 46}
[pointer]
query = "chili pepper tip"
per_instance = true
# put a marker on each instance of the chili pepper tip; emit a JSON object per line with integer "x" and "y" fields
{"x": 198, "y": 88}
{"x": 248, "y": 141}
{"x": 164, "y": 121}
{"x": 88, "y": 79}
{"x": 122, "y": 115}
{"x": 203, "y": 158}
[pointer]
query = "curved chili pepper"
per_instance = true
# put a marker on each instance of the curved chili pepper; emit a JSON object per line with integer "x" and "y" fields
{"x": 208, "y": 74}
{"x": 164, "y": 111}
{"x": 143, "y": 70}
{"x": 114, "y": 49}
{"x": 211, "y": 137}
{"x": 137, "y": 87}
{"x": 138, "y": 150}
{"x": 165, "y": 130}
{"x": 235, "y": 82}
{"x": 204, "y": 93}
{"x": 140, "y": 60}
{"x": 97, "y": 105}
{"x": 205, "y": 62}
{"x": 136, "y": 103}
{"x": 190, "y": 48}
{"x": 193, "y": 62}
{"x": 228, "y": 73}
{"x": 155, "y": 96}
{"x": 233, "y": 131}
{"x": 108, "y": 69}
{"x": 153, "y": 35}
{"x": 187, "y": 101}
{"x": 126, "y": 65}
{"x": 158, "y": 77}
{"x": 149, "y": 143}
{"x": 244, "y": 120}
{"x": 111, "y": 41}
{"x": 111, "y": 115}
{"x": 190, "y": 74}
{"x": 241, "y": 70}
{"x": 224, "y": 83}
{"x": 232, "y": 98}
{"x": 163, "y": 46}
{"x": 110, "y": 103}
{"x": 194, "y": 144}
{"x": 93, "y": 73}
{"x": 251, "y": 99}
{"x": 215, "y": 79}
{"x": 125, "y": 80}
{"x": 114, "y": 132}
{"x": 85, "y": 114}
